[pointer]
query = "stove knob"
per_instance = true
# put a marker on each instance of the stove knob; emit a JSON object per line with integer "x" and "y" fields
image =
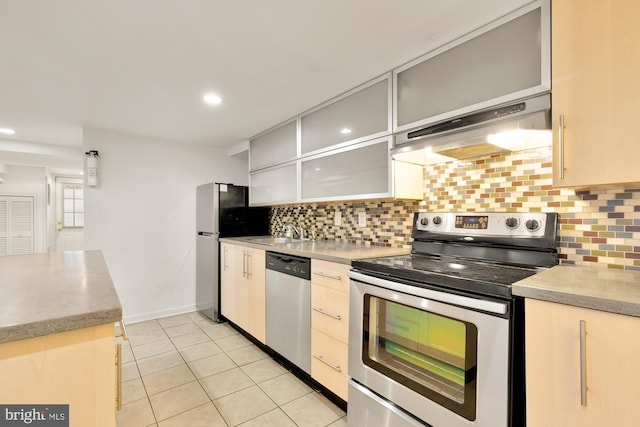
{"x": 424, "y": 221}
{"x": 511, "y": 222}
{"x": 532, "y": 225}
{"x": 437, "y": 220}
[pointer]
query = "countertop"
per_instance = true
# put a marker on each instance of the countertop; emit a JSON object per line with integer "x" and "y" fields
{"x": 605, "y": 289}
{"x": 328, "y": 250}
{"x": 54, "y": 292}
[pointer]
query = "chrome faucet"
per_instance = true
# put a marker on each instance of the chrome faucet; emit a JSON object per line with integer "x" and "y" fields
{"x": 298, "y": 230}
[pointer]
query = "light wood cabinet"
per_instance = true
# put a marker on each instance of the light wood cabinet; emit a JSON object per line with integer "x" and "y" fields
{"x": 74, "y": 368}
{"x": 595, "y": 86}
{"x": 242, "y": 288}
{"x": 553, "y": 366}
{"x": 257, "y": 293}
{"x": 227, "y": 281}
{"x": 330, "y": 325}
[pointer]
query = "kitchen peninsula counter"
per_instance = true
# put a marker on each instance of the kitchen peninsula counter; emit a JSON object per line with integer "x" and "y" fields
{"x": 327, "y": 250}
{"x": 57, "y": 334}
{"x": 55, "y": 292}
{"x": 605, "y": 289}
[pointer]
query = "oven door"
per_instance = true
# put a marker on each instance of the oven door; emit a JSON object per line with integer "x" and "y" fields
{"x": 441, "y": 357}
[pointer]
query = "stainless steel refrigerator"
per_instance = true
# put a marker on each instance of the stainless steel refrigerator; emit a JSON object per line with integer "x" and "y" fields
{"x": 222, "y": 210}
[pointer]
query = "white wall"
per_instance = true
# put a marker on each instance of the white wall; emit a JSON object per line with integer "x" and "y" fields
{"x": 29, "y": 181}
{"x": 143, "y": 216}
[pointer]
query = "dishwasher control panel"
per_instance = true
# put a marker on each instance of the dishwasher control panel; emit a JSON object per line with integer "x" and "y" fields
{"x": 289, "y": 264}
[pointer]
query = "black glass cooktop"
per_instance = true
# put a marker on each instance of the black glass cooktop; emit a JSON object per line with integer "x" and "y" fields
{"x": 481, "y": 277}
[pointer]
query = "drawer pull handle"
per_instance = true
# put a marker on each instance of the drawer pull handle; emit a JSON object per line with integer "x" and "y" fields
{"x": 321, "y": 311}
{"x": 331, "y": 365}
{"x": 330, "y": 276}
{"x": 583, "y": 363}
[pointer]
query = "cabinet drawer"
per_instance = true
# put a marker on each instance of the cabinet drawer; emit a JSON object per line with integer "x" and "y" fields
{"x": 329, "y": 362}
{"x": 330, "y": 312}
{"x": 330, "y": 274}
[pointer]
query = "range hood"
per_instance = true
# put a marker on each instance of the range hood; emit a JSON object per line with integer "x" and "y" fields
{"x": 518, "y": 125}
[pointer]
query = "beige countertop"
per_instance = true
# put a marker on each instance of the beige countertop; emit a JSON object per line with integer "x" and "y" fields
{"x": 47, "y": 293}
{"x": 328, "y": 250}
{"x": 605, "y": 289}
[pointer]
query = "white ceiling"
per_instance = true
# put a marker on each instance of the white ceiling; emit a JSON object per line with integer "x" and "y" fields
{"x": 142, "y": 66}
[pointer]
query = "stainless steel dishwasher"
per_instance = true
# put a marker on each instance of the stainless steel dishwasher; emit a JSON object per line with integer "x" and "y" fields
{"x": 288, "y": 300}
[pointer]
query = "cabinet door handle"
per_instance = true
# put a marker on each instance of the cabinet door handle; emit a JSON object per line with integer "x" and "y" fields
{"x": 224, "y": 264}
{"x": 330, "y": 276}
{"x": 244, "y": 264}
{"x": 561, "y": 145}
{"x": 123, "y": 331}
{"x": 248, "y": 264}
{"x": 321, "y": 311}
{"x": 331, "y": 365}
{"x": 119, "y": 376}
{"x": 583, "y": 363}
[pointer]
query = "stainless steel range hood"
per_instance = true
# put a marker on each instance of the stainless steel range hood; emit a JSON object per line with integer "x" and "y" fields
{"x": 518, "y": 125}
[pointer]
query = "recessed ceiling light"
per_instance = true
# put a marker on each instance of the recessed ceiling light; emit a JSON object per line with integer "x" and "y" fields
{"x": 212, "y": 99}
{"x": 7, "y": 131}
{"x": 345, "y": 131}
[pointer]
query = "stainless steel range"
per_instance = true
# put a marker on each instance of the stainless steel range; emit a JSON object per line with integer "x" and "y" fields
{"x": 436, "y": 337}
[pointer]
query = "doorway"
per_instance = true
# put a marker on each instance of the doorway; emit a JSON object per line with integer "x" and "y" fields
{"x": 69, "y": 201}
{"x": 16, "y": 225}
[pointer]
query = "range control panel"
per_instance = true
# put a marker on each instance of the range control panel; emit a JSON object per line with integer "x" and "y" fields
{"x": 508, "y": 224}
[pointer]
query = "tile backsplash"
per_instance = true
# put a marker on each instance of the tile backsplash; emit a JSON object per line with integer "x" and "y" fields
{"x": 601, "y": 227}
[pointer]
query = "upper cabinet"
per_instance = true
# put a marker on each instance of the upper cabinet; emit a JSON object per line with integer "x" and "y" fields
{"x": 340, "y": 149}
{"x": 595, "y": 93}
{"x": 277, "y": 145}
{"x": 359, "y": 115}
{"x": 362, "y": 171}
{"x": 276, "y": 185}
{"x": 503, "y": 61}
{"x": 358, "y": 171}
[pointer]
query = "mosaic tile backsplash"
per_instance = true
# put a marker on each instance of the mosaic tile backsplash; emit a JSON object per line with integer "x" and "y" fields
{"x": 596, "y": 227}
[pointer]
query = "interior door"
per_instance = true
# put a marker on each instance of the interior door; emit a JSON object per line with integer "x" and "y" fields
{"x": 16, "y": 225}
{"x": 69, "y": 214}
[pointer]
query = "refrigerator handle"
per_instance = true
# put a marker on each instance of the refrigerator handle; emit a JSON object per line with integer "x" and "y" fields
{"x": 207, "y": 234}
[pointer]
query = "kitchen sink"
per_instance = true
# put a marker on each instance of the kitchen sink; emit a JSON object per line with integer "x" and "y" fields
{"x": 270, "y": 240}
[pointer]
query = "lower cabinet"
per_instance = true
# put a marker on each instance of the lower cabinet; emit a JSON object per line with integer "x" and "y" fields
{"x": 74, "y": 368}
{"x": 227, "y": 281}
{"x": 330, "y": 325}
{"x": 242, "y": 301}
{"x": 242, "y": 288}
{"x": 581, "y": 366}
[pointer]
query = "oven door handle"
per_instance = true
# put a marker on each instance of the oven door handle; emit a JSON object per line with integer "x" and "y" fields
{"x": 445, "y": 297}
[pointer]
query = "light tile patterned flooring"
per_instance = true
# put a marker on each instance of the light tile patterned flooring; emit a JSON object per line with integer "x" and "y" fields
{"x": 187, "y": 371}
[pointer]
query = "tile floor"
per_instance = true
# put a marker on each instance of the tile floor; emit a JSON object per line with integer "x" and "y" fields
{"x": 188, "y": 371}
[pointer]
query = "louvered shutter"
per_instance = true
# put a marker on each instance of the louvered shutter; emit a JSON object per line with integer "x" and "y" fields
{"x": 21, "y": 225}
{"x": 16, "y": 225}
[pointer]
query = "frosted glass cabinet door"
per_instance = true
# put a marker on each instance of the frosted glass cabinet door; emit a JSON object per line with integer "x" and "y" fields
{"x": 276, "y": 146}
{"x": 358, "y": 115}
{"x": 359, "y": 171}
{"x": 499, "y": 62}
{"x": 274, "y": 186}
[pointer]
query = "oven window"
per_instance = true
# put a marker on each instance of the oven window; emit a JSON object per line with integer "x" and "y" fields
{"x": 431, "y": 354}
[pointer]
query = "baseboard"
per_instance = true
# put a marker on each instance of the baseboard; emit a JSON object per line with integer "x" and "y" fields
{"x": 159, "y": 314}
